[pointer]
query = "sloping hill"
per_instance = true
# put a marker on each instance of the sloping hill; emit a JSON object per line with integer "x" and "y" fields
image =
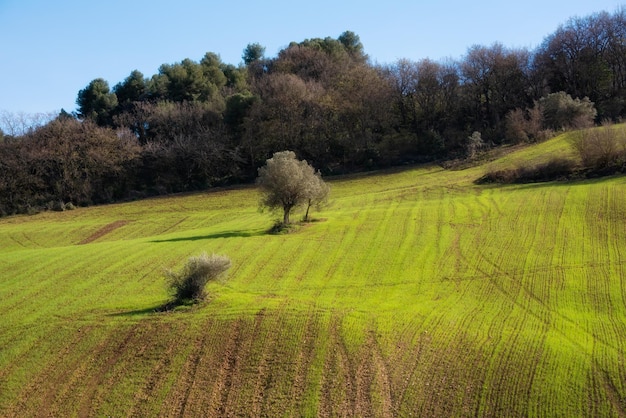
{"x": 417, "y": 292}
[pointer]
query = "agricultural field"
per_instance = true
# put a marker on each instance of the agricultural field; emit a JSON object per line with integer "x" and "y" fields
{"x": 415, "y": 293}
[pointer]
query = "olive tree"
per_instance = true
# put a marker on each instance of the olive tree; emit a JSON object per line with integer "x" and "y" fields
{"x": 317, "y": 193}
{"x": 287, "y": 182}
{"x": 562, "y": 112}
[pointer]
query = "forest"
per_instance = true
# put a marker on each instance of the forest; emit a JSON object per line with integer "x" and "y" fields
{"x": 201, "y": 124}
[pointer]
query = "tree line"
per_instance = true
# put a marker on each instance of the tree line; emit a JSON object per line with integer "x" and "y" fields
{"x": 198, "y": 124}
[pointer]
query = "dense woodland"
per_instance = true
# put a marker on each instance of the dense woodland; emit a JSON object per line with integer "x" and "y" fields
{"x": 198, "y": 124}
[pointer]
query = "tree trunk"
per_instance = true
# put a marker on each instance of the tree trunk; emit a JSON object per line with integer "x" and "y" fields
{"x": 306, "y": 215}
{"x": 286, "y": 210}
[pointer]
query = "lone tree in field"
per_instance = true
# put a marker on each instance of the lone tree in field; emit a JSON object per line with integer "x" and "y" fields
{"x": 287, "y": 182}
{"x": 189, "y": 283}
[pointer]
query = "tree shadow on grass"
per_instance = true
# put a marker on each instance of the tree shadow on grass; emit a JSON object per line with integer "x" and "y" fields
{"x": 225, "y": 234}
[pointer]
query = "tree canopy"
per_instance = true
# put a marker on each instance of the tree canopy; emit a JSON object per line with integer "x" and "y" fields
{"x": 201, "y": 123}
{"x": 253, "y": 52}
{"x": 97, "y": 102}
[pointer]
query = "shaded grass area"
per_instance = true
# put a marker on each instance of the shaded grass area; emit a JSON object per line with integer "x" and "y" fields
{"x": 421, "y": 293}
{"x": 226, "y": 234}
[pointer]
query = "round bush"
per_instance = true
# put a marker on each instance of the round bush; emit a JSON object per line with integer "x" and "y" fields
{"x": 189, "y": 283}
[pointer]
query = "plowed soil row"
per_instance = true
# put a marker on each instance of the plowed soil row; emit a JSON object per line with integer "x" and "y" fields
{"x": 107, "y": 229}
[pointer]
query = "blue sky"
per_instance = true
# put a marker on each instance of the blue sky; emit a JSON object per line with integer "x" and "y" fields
{"x": 52, "y": 49}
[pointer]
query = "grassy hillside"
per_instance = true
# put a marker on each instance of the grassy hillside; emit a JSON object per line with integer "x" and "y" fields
{"x": 417, "y": 293}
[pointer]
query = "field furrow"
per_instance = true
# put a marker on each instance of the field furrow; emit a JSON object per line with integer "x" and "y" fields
{"x": 304, "y": 378}
{"x": 206, "y": 374}
{"x": 337, "y": 392}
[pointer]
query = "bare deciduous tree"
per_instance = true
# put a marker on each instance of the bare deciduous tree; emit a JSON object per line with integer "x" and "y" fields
{"x": 17, "y": 124}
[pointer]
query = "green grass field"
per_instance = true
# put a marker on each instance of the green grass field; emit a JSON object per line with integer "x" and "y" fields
{"x": 417, "y": 293}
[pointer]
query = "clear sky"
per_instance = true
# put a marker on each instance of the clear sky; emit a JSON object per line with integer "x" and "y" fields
{"x": 52, "y": 49}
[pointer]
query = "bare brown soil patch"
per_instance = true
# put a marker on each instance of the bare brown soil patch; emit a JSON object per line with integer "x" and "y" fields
{"x": 107, "y": 229}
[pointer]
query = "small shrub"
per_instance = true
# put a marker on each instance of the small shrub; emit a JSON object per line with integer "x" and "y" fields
{"x": 516, "y": 126}
{"x": 32, "y": 210}
{"x": 56, "y": 206}
{"x": 475, "y": 144}
{"x": 526, "y": 126}
{"x": 69, "y": 206}
{"x": 601, "y": 148}
{"x": 189, "y": 283}
{"x": 498, "y": 176}
{"x": 544, "y": 135}
{"x": 281, "y": 228}
{"x": 555, "y": 169}
{"x": 534, "y": 125}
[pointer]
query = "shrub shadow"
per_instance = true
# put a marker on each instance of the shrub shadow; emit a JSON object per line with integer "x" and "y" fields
{"x": 155, "y": 309}
{"x": 165, "y": 307}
